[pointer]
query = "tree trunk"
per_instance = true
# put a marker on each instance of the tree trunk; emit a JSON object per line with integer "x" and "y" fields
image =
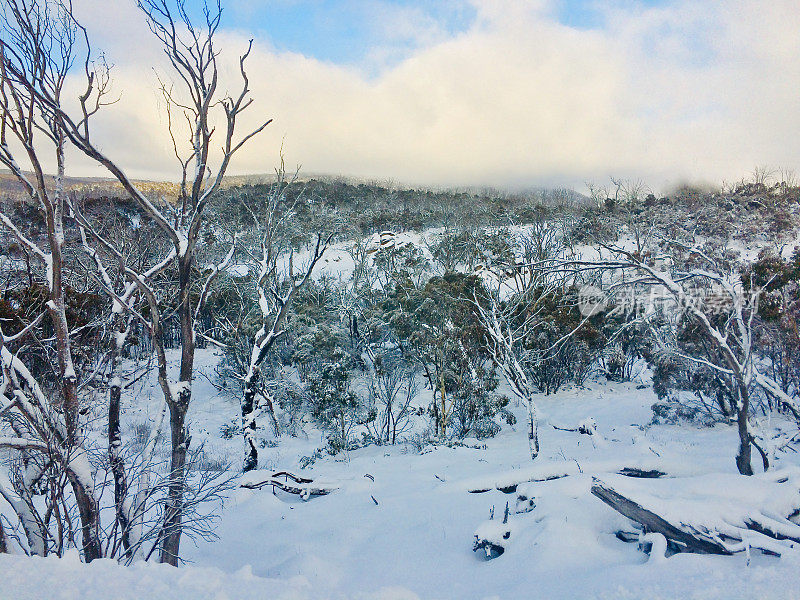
{"x": 171, "y": 537}
{"x": 693, "y": 541}
{"x": 90, "y": 517}
{"x": 249, "y": 407}
{"x": 262, "y": 345}
{"x": 116, "y": 461}
{"x": 743, "y": 462}
{"x": 178, "y": 407}
{"x": 249, "y": 423}
{"x": 443, "y": 415}
{"x": 74, "y": 453}
{"x": 533, "y": 429}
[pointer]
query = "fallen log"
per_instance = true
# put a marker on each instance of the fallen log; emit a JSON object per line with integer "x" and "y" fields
{"x": 586, "y": 427}
{"x": 713, "y": 514}
{"x": 289, "y": 476}
{"x": 641, "y": 473}
{"x": 300, "y": 486}
{"x": 652, "y": 522}
{"x": 511, "y": 487}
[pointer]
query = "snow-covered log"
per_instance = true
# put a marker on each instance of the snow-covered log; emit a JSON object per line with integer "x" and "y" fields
{"x": 712, "y": 514}
{"x": 292, "y": 484}
{"x": 492, "y": 536}
{"x": 693, "y": 541}
{"x": 509, "y": 481}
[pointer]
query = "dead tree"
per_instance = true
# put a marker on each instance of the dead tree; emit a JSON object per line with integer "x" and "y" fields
{"x": 739, "y": 527}
{"x": 692, "y": 541}
{"x": 299, "y": 486}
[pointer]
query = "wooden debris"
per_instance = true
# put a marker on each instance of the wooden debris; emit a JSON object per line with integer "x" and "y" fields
{"x": 692, "y": 541}
{"x": 644, "y": 474}
{"x": 626, "y": 471}
{"x": 708, "y": 534}
{"x": 292, "y": 484}
{"x": 491, "y": 537}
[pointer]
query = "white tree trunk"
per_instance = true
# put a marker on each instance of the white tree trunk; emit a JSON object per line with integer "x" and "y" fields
{"x": 533, "y": 428}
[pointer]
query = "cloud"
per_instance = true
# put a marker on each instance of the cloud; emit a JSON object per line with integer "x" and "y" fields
{"x": 670, "y": 92}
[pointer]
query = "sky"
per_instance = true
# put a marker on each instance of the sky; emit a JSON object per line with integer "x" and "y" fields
{"x": 506, "y": 93}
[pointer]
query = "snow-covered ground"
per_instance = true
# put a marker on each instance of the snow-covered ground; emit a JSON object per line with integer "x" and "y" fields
{"x": 401, "y": 523}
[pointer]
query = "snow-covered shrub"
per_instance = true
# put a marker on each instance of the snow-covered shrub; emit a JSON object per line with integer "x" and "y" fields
{"x": 400, "y": 265}
{"x": 307, "y": 461}
{"x": 560, "y": 344}
{"x": 420, "y": 440}
{"x": 688, "y": 390}
{"x": 291, "y": 398}
{"x": 673, "y": 411}
{"x": 228, "y": 431}
{"x": 475, "y": 409}
{"x": 630, "y": 341}
{"x": 465, "y": 249}
{"x": 334, "y": 405}
{"x": 777, "y": 339}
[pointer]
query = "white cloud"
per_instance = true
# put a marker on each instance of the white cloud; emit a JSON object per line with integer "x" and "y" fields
{"x": 687, "y": 91}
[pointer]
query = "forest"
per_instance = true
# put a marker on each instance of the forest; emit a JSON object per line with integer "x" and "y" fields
{"x": 304, "y": 380}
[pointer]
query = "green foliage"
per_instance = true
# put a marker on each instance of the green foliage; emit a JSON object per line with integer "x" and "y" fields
{"x": 559, "y": 344}
{"x": 334, "y": 405}
{"x": 777, "y": 333}
{"x": 440, "y": 324}
{"x": 228, "y": 431}
{"x": 696, "y": 388}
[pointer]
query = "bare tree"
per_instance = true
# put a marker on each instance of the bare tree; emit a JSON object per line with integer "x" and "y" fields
{"x": 119, "y": 325}
{"x": 275, "y": 285}
{"x": 37, "y": 51}
{"x": 512, "y": 317}
{"x": 503, "y": 344}
{"x": 391, "y": 380}
{"x": 193, "y": 57}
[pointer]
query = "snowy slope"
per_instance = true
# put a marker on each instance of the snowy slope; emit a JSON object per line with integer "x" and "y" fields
{"x": 416, "y": 542}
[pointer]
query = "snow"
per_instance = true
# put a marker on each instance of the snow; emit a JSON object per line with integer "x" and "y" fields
{"x": 238, "y": 270}
{"x": 495, "y": 531}
{"x": 588, "y": 425}
{"x": 180, "y": 388}
{"x": 407, "y": 530}
{"x": 716, "y": 500}
{"x": 659, "y": 546}
{"x": 37, "y": 578}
